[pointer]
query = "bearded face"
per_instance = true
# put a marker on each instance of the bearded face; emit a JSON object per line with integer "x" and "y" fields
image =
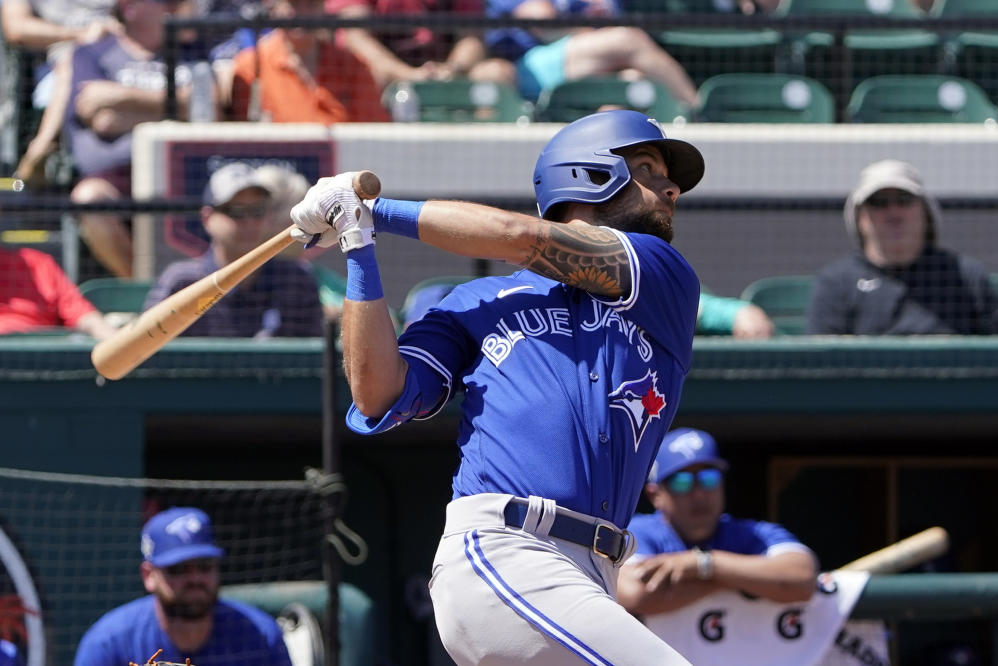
{"x": 651, "y": 222}
{"x": 187, "y": 590}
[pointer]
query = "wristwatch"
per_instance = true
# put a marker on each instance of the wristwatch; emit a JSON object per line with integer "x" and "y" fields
{"x": 705, "y": 563}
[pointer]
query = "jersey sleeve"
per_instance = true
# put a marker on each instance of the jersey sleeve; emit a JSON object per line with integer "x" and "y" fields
{"x": 755, "y": 537}
{"x": 437, "y": 350}
{"x": 665, "y": 293}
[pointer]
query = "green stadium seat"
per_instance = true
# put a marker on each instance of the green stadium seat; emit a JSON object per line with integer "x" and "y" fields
{"x": 465, "y": 101}
{"x": 784, "y": 298}
{"x": 116, "y": 295}
{"x": 705, "y": 52}
{"x": 764, "y": 98}
{"x": 872, "y": 51}
{"x": 571, "y": 100}
{"x": 972, "y": 54}
{"x": 919, "y": 99}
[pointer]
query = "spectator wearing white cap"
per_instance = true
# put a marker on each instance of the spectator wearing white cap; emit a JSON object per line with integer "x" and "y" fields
{"x": 280, "y": 299}
{"x": 689, "y": 547}
{"x": 900, "y": 281}
{"x": 182, "y": 615}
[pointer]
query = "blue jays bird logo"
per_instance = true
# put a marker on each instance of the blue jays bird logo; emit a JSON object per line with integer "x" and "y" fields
{"x": 641, "y": 401}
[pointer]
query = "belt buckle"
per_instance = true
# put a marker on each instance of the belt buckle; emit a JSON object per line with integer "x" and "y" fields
{"x": 596, "y": 540}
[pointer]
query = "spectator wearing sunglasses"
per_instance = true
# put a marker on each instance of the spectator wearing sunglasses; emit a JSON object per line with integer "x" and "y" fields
{"x": 900, "y": 281}
{"x": 689, "y": 547}
{"x": 280, "y": 299}
{"x": 182, "y": 614}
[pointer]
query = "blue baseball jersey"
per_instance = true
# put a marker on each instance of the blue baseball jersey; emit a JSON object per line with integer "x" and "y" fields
{"x": 566, "y": 395}
{"x": 735, "y": 535}
{"x": 241, "y": 635}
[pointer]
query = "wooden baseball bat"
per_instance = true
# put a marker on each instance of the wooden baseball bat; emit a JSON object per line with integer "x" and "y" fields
{"x": 119, "y": 354}
{"x": 904, "y": 554}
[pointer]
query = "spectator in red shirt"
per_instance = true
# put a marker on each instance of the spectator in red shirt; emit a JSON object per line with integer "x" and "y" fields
{"x": 35, "y": 294}
{"x": 301, "y": 75}
{"x": 418, "y": 53}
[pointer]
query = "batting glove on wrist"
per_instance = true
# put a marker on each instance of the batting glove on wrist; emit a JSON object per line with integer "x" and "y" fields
{"x": 333, "y": 209}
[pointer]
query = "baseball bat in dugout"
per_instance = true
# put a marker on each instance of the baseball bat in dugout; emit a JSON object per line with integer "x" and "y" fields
{"x": 904, "y": 554}
{"x": 121, "y": 353}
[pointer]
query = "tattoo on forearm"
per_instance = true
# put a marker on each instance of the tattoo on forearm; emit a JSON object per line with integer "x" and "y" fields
{"x": 586, "y": 257}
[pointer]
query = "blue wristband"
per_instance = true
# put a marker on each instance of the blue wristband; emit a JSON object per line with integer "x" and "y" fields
{"x": 395, "y": 216}
{"x": 363, "y": 276}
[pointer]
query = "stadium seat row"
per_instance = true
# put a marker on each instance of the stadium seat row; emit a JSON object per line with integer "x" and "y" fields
{"x": 737, "y": 97}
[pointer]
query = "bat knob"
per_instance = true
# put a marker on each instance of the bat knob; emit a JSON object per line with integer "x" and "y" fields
{"x": 367, "y": 185}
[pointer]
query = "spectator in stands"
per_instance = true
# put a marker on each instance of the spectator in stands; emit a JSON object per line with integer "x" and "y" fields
{"x": 280, "y": 299}
{"x": 720, "y": 315}
{"x": 35, "y": 294}
{"x": 54, "y": 26}
{"x": 419, "y": 53}
{"x": 182, "y": 615}
{"x": 287, "y": 188}
{"x": 546, "y": 58}
{"x": 302, "y": 75}
{"x": 689, "y": 548}
{"x": 900, "y": 282}
{"x": 117, "y": 83}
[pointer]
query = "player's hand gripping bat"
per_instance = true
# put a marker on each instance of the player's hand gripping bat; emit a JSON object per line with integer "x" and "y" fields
{"x": 118, "y": 355}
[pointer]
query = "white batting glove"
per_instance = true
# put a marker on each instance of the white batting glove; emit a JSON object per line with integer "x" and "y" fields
{"x": 332, "y": 209}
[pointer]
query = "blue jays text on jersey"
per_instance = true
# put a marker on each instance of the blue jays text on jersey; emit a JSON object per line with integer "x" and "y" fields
{"x": 566, "y": 395}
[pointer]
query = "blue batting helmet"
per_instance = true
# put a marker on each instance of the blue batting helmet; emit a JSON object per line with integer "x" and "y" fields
{"x": 565, "y": 167}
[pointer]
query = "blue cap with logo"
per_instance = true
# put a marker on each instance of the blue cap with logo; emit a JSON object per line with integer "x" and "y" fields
{"x": 177, "y": 535}
{"x": 682, "y": 448}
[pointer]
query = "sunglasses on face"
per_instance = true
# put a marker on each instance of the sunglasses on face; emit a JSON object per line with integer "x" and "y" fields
{"x": 243, "y": 212}
{"x": 191, "y": 566}
{"x": 681, "y": 483}
{"x": 881, "y": 201}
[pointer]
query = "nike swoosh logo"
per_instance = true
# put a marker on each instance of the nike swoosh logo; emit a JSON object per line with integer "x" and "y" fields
{"x": 512, "y": 290}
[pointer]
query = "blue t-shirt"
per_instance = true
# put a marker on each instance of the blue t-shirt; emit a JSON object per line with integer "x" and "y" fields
{"x": 735, "y": 535}
{"x": 566, "y": 396}
{"x": 242, "y": 635}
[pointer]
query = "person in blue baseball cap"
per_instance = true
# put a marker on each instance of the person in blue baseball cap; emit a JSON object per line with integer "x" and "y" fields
{"x": 183, "y": 615}
{"x": 689, "y": 547}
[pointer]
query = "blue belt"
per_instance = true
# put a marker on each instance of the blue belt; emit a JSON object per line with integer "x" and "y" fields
{"x": 604, "y": 540}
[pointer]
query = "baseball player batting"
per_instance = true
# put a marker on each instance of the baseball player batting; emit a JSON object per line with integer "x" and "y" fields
{"x": 571, "y": 371}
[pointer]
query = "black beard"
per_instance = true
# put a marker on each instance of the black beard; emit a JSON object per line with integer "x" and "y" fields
{"x": 189, "y": 610}
{"x": 652, "y": 222}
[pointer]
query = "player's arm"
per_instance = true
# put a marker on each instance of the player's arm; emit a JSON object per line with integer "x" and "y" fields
{"x": 575, "y": 253}
{"x": 672, "y": 580}
{"x": 639, "y": 593}
{"x": 785, "y": 577}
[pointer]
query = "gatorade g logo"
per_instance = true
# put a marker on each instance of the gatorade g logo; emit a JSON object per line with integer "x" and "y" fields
{"x": 710, "y": 626}
{"x": 826, "y": 584}
{"x": 20, "y": 610}
{"x": 788, "y": 624}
